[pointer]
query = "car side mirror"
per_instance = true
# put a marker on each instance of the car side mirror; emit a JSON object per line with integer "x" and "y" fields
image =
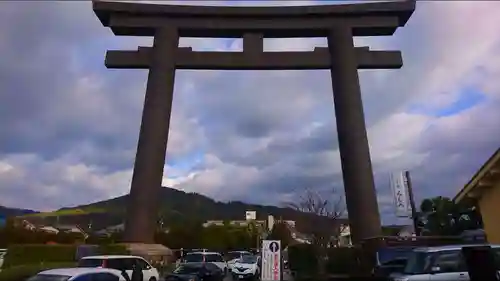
{"x": 148, "y": 267}
{"x": 435, "y": 269}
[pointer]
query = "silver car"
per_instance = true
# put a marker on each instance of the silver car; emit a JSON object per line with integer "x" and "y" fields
{"x": 442, "y": 263}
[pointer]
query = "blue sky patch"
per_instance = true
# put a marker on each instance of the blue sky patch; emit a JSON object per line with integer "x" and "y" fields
{"x": 468, "y": 98}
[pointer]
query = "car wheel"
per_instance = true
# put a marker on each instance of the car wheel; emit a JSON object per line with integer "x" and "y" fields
{"x": 225, "y": 272}
{"x": 152, "y": 279}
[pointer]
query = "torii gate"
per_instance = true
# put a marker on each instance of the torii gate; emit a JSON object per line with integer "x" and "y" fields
{"x": 338, "y": 23}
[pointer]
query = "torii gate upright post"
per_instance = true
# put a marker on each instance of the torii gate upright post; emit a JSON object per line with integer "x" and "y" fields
{"x": 338, "y": 23}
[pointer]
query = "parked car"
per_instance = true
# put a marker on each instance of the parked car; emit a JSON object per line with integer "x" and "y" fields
{"x": 196, "y": 271}
{"x": 78, "y": 274}
{"x": 122, "y": 263}
{"x": 3, "y": 252}
{"x": 387, "y": 268}
{"x": 391, "y": 260}
{"x": 247, "y": 267}
{"x": 212, "y": 257}
{"x": 233, "y": 256}
{"x": 437, "y": 264}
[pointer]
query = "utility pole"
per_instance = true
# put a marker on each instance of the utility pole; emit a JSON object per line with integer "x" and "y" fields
{"x": 414, "y": 213}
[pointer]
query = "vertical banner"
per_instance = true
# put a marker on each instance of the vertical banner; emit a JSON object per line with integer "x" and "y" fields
{"x": 400, "y": 194}
{"x": 271, "y": 260}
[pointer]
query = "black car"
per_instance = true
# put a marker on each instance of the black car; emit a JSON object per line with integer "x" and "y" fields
{"x": 202, "y": 271}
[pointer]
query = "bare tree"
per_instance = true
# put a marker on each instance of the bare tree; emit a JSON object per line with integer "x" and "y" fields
{"x": 325, "y": 221}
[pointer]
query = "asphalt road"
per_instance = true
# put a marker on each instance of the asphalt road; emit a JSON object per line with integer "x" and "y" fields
{"x": 287, "y": 276}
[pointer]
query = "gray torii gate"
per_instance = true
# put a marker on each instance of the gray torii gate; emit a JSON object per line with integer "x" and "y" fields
{"x": 338, "y": 23}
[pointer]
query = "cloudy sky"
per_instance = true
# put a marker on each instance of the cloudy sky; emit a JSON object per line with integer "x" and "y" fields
{"x": 69, "y": 126}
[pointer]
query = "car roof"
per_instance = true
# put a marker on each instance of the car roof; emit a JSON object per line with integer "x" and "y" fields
{"x": 73, "y": 271}
{"x": 452, "y": 247}
{"x": 203, "y": 253}
{"x": 241, "y": 252}
{"x": 112, "y": 257}
{"x": 194, "y": 264}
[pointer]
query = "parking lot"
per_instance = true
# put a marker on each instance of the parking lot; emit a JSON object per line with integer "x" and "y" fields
{"x": 287, "y": 276}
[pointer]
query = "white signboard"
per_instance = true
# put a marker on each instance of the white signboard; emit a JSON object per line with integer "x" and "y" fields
{"x": 250, "y": 215}
{"x": 271, "y": 260}
{"x": 400, "y": 194}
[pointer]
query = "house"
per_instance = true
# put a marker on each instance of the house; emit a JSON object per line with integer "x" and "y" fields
{"x": 74, "y": 229}
{"x": 241, "y": 223}
{"x": 28, "y": 225}
{"x": 301, "y": 238}
{"x": 48, "y": 229}
{"x": 483, "y": 192}
{"x": 110, "y": 230}
{"x": 344, "y": 238}
{"x": 398, "y": 230}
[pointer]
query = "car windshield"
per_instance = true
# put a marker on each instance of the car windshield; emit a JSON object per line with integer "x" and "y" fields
{"x": 194, "y": 258}
{"x": 395, "y": 262}
{"x": 49, "y": 277}
{"x": 390, "y": 254}
{"x": 417, "y": 263}
{"x": 188, "y": 269}
{"x": 248, "y": 259}
{"x": 90, "y": 263}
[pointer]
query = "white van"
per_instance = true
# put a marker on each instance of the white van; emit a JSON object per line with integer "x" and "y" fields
{"x": 442, "y": 263}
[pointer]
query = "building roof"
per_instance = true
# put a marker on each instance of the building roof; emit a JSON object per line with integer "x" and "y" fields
{"x": 485, "y": 178}
{"x": 77, "y": 271}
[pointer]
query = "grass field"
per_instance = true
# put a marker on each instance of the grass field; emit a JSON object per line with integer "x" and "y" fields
{"x": 67, "y": 212}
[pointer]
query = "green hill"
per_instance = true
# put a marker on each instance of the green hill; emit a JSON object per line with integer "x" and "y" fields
{"x": 175, "y": 207}
{"x": 12, "y": 212}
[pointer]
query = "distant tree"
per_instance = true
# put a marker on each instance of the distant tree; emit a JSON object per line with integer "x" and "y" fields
{"x": 324, "y": 222}
{"x": 281, "y": 231}
{"x": 242, "y": 238}
{"x": 216, "y": 237}
{"x": 187, "y": 235}
{"x": 442, "y": 216}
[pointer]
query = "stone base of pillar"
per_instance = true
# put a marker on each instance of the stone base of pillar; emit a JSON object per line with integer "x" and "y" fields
{"x": 369, "y": 248}
{"x": 151, "y": 252}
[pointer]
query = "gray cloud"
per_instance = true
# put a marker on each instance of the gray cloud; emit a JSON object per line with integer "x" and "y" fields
{"x": 68, "y": 126}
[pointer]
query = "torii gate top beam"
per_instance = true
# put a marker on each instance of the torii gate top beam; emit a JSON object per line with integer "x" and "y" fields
{"x": 366, "y": 19}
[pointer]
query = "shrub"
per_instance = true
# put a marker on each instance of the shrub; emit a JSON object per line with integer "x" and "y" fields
{"x": 22, "y": 272}
{"x": 343, "y": 260}
{"x": 302, "y": 259}
{"x": 113, "y": 249}
{"x": 39, "y": 253}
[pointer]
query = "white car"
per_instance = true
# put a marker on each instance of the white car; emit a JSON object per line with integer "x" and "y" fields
{"x": 212, "y": 257}
{"x": 78, "y": 274}
{"x": 122, "y": 263}
{"x": 441, "y": 263}
{"x": 248, "y": 267}
{"x": 233, "y": 256}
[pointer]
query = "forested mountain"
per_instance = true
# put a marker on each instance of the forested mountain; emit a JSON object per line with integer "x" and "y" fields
{"x": 176, "y": 207}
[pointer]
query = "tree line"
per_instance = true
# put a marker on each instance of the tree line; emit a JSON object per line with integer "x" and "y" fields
{"x": 441, "y": 216}
{"x": 438, "y": 216}
{"x": 190, "y": 235}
